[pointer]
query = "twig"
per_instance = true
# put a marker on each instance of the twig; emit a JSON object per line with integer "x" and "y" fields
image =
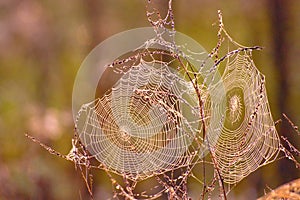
{"x": 74, "y": 157}
{"x": 47, "y": 148}
{"x": 291, "y": 123}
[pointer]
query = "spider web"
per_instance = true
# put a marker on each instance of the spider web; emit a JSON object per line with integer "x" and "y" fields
{"x": 138, "y": 128}
{"x": 249, "y": 139}
{"x": 169, "y": 116}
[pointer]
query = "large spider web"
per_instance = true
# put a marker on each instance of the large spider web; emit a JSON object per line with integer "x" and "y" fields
{"x": 138, "y": 128}
{"x": 168, "y": 110}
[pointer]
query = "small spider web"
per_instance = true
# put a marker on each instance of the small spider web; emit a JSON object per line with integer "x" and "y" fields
{"x": 249, "y": 139}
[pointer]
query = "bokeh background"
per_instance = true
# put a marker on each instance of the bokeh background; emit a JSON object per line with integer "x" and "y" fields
{"x": 43, "y": 42}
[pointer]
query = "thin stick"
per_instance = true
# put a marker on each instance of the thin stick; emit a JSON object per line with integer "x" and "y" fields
{"x": 47, "y": 148}
{"x": 69, "y": 158}
{"x": 291, "y": 123}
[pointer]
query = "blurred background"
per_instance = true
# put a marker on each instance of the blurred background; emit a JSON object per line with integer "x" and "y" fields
{"x": 42, "y": 45}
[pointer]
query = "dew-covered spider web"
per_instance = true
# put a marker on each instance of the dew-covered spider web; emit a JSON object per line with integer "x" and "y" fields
{"x": 145, "y": 124}
{"x": 167, "y": 114}
{"x": 249, "y": 138}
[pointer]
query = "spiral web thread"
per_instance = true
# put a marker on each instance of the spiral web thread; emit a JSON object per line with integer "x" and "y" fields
{"x": 146, "y": 124}
{"x": 249, "y": 139}
{"x": 151, "y": 123}
{"x": 136, "y": 129}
